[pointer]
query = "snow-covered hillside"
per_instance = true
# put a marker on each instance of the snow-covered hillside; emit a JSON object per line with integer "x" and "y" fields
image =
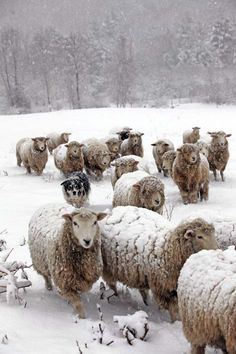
{"x": 47, "y": 323}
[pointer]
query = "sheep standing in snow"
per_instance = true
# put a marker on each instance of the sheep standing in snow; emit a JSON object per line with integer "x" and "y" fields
{"x": 97, "y": 158}
{"x": 218, "y": 152}
{"x": 207, "y": 301}
{"x": 76, "y": 189}
{"x": 69, "y": 158}
{"x": 191, "y": 136}
{"x": 55, "y": 139}
{"x": 142, "y": 250}
{"x": 123, "y": 133}
{"x": 32, "y": 153}
{"x": 191, "y": 173}
{"x": 133, "y": 145}
{"x": 167, "y": 162}
{"x": 158, "y": 150}
{"x": 66, "y": 250}
{"x": 122, "y": 166}
{"x": 139, "y": 189}
{"x": 113, "y": 145}
{"x": 203, "y": 148}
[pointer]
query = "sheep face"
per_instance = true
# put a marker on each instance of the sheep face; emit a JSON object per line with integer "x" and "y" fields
{"x": 114, "y": 145}
{"x": 135, "y": 138}
{"x": 196, "y": 132}
{"x": 150, "y": 194}
{"x": 220, "y": 139}
{"x": 103, "y": 159}
{"x": 203, "y": 148}
{"x": 189, "y": 153}
{"x": 74, "y": 149}
{"x": 40, "y": 144}
{"x": 84, "y": 226}
{"x": 161, "y": 147}
{"x": 65, "y": 137}
{"x": 125, "y": 166}
{"x": 201, "y": 235}
{"x": 168, "y": 159}
{"x": 124, "y": 133}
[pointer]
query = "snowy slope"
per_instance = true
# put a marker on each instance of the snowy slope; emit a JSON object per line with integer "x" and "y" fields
{"x": 47, "y": 324}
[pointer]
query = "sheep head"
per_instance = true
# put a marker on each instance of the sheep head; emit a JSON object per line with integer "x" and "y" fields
{"x": 74, "y": 149}
{"x": 40, "y": 143}
{"x": 220, "y": 139}
{"x": 189, "y": 153}
{"x": 161, "y": 146}
{"x": 84, "y": 226}
{"x": 114, "y": 144}
{"x": 135, "y": 138}
{"x": 65, "y": 137}
{"x": 125, "y": 166}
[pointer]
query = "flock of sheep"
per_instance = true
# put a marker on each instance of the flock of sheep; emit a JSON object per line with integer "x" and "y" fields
{"x": 135, "y": 244}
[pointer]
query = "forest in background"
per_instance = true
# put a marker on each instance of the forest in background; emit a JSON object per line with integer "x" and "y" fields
{"x": 119, "y": 59}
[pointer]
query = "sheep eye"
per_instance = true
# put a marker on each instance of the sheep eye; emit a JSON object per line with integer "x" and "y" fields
{"x": 75, "y": 224}
{"x": 95, "y": 223}
{"x": 200, "y": 237}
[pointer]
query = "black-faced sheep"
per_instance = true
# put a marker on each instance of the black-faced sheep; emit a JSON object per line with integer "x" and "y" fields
{"x": 207, "y": 300}
{"x": 66, "y": 249}
{"x": 97, "y": 158}
{"x": 32, "y": 153}
{"x": 139, "y": 189}
{"x": 191, "y": 136}
{"x": 69, "y": 158}
{"x": 191, "y": 174}
{"x": 76, "y": 189}
{"x": 158, "y": 150}
{"x": 167, "y": 162}
{"x": 123, "y": 133}
{"x": 142, "y": 250}
{"x": 218, "y": 152}
{"x": 55, "y": 139}
{"x": 133, "y": 145}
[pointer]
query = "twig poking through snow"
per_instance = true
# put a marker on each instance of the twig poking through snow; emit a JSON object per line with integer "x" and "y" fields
{"x": 169, "y": 209}
{"x": 4, "y": 339}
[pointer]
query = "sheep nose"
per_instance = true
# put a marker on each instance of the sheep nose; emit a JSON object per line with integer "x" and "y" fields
{"x": 74, "y": 192}
{"x": 157, "y": 201}
{"x": 86, "y": 242}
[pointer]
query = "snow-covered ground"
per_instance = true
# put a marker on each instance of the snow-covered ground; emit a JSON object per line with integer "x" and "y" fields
{"x": 47, "y": 323}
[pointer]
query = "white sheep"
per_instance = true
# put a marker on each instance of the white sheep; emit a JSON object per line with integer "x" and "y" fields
{"x": 159, "y": 148}
{"x": 66, "y": 249}
{"x": 32, "y": 153}
{"x": 191, "y": 136}
{"x": 139, "y": 189}
{"x": 207, "y": 300}
{"x": 143, "y": 250}
{"x": 69, "y": 158}
{"x": 132, "y": 145}
{"x": 56, "y": 139}
{"x": 203, "y": 147}
{"x": 97, "y": 157}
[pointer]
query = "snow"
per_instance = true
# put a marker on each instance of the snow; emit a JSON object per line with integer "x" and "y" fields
{"x": 47, "y": 323}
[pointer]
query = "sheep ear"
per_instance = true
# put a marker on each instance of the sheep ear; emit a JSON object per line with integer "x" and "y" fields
{"x": 46, "y": 139}
{"x": 154, "y": 144}
{"x": 189, "y": 234}
{"x": 228, "y": 135}
{"x": 179, "y": 149}
{"x": 101, "y": 216}
{"x": 137, "y": 186}
{"x": 136, "y": 163}
{"x": 34, "y": 139}
{"x": 212, "y": 134}
{"x": 114, "y": 164}
{"x": 67, "y": 217}
{"x": 66, "y": 145}
{"x": 141, "y": 134}
{"x": 81, "y": 145}
{"x": 166, "y": 144}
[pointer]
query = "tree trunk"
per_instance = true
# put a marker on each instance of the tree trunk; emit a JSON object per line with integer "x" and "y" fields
{"x": 77, "y": 90}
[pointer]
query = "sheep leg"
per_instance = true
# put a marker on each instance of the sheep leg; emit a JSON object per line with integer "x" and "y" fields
{"x": 28, "y": 169}
{"x": 184, "y": 196}
{"x": 48, "y": 282}
{"x": 144, "y": 294}
{"x": 18, "y": 158}
{"x": 215, "y": 174}
{"x": 222, "y": 175}
{"x": 193, "y": 196}
{"x": 74, "y": 299}
{"x": 195, "y": 349}
{"x": 204, "y": 191}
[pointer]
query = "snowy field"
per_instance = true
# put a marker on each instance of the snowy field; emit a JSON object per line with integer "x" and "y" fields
{"x": 47, "y": 324}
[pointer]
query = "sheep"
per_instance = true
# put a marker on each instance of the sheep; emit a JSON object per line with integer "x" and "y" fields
{"x": 97, "y": 158}
{"x": 76, "y": 189}
{"x": 133, "y": 145}
{"x": 207, "y": 300}
{"x": 191, "y": 174}
{"x": 139, "y": 189}
{"x": 218, "y": 153}
{"x": 113, "y": 145}
{"x": 143, "y": 250}
{"x": 122, "y": 166}
{"x": 69, "y": 158}
{"x": 167, "y": 162}
{"x": 159, "y": 148}
{"x": 225, "y": 233}
{"x": 191, "y": 136}
{"x": 66, "y": 250}
{"x": 55, "y": 139}
{"x": 123, "y": 133}
{"x": 203, "y": 147}
{"x": 32, "y": 153}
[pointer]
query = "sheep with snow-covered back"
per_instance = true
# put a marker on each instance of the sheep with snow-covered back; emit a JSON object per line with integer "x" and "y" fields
{"x": 132, "y": 145}
{"x": 225, "y": 233}
{"x": 97, "y": 157}
{"x": 122, "y": 166}
{"x": 76, "y": 189}
{"x": 143, "y": 250}
{"x": 113, "y": 145}
{"x": 207, "y": 300}
{"x": 32, "y": 153}
{"x": 203, "y": 148}
{"x": 191, "y": 173}
{"x": 66, "y": 250}
{"x": 191, "y": 136}
{"x": 56, "y": 139}
{"x": 69, "y": 158}
{"x": 141, "y": 190}
{"x": 167, "y": 162}
{"x": 218, "y": 152}
{"x": 158, "y": 150}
